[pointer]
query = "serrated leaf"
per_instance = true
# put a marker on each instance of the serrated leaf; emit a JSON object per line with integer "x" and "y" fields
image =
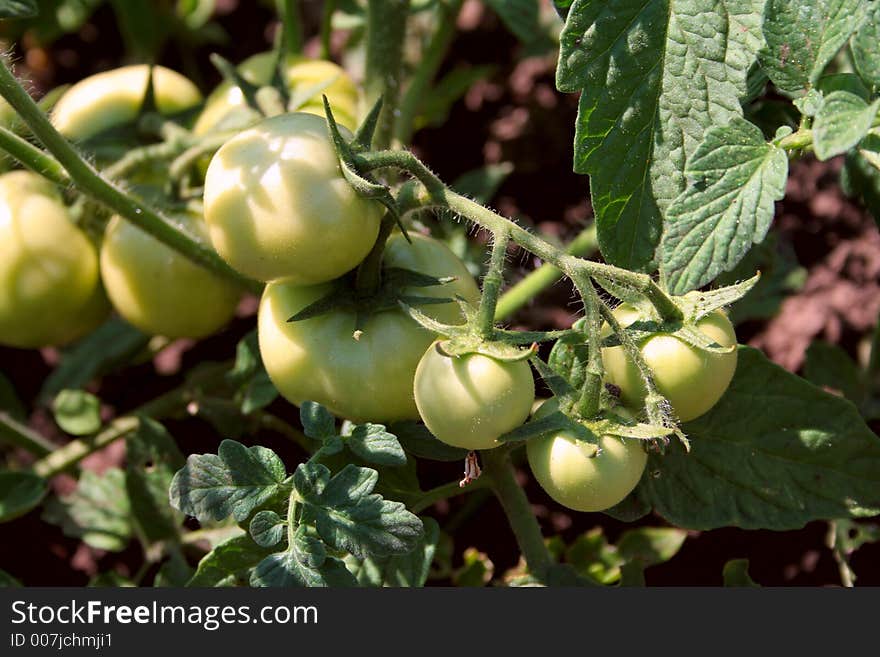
{"x": 865, "y": 47}
{"x": 152, "y": 458}
{"x": 813, "y": 457}
{"x": 841, "y": 122}
{"x": 19, "y": 493}
{"x": 374, "y": 444}
{"x": 111, "y": 344}
{"x": 735, "y": 178}
{"x": 418, "y": 441}
{"x": 736, "y": 573}
{"x": 407, "y": 570}
{"x": 98, "y": 511}
{"x": 233, "y": 482}
{"x": 229, "y": 563}
{"x": 18, "y": 9}
{"x": 654, "y": 76}
{"x": 828, "y": 365}
{"x": 519, "y": 16}
{"x": 305, "y": 564}
{"x": 267, "y": 528}
{"x": 348, "y": 517}
{"x": 699, "y": 304}
{"x": 77, "y": 412}
{"x": 803, "y": 36}
{"x": 317, "y": 421}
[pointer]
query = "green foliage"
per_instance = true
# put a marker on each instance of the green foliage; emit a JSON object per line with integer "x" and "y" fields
{"x": 841, "y": 122}
{"x": 19, "y": 493}
{"x": 736, "y": 573}
{"x": 18, "y": 9}
{"x": 77, "y": 412}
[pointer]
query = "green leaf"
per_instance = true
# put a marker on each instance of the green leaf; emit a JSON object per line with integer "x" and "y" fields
{"x": 305, "y": 563}
{"x": 827, "y": 365}
{"x": 267, "y": 528}
{"x": 519, "y": 16}
{"x": 255, "y": 389}
{"x": 234, "y": 482}
{"x": 655, "y": 75}
{"x": 861, "y": 179}
{"x": 735, "y": 177}
{"x": 18, "y": 9}
{"x": 77, "y": 412}
{"x": 477, "y": 569}
{"x": 736, "y": 573}
{"x": 174, "y": 571}
{"x": 317, "y": 421}
{"x": 410, "y": 570}
{"x": 803, "y": 36}
{"x": 143, "y": 28}
{"x": 865, "y": 47}
{"x": 841, "y": 82}
{"x": 152, "y": 458}
{"x": 7, "y": 580}
{"x": 348, "y": 517}
{"x": 776, "y": 452}
{"x": 113, "y": 343}
{"x": 650, "y": 546}
{"x": 418, "y": 441}
{"x": 483, "y": 183}
{"x": 19, "y": 493}
{"x": 98, "y": 511}
{"x": 841, "y": 122}
{"x": 9, "y": 401}
{"x": 373, "y": 444}
{"x": 229, "y": 563}
{"x": 592, "y": 556}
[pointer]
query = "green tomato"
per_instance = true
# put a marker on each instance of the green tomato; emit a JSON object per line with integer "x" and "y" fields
{"x": 371, "y": 377}
{"x": 691, "y": 379}
{"x": 278, "y": 206}
{"x": 307, "y": 80}
{"x": 114, "y": 98}
{"x": 468, "y": 401}
{"x": 50, "y": 287}
{"x": 577, "y": 475}
{"x": 160, "y": 291}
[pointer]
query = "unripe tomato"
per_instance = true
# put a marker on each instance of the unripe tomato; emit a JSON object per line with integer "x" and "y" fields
{"x": 370, "y": 378}
{"x": 468, "y": 401}
{"x": 691, "y": 379}
{"x": 113, "y": 98}
{"x": 278, "y": 207}
{"x": 313, "y": 77}
{"x": 577, "y": 475}
{"x": 50, "y": 288}
{"x": 159, "y": 290}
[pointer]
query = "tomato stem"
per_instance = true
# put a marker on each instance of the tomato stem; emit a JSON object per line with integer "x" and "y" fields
{"x": 444, "y": 492}
{"x": 33, "y": 158}
{"x": 291, "y": 23}
{"x": 13, "y": 432}
{"x": 498, "y": 469}
{"x": 386, "y": 32}
{"x": 369, "y": 272}
{"x": 588, "y": 404}
{"x": 492, "y": 282}
{"x": 90, "y": 182}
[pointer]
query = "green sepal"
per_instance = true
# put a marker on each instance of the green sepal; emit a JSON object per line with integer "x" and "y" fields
{"x": 470, "y": 344}
{"x": 363, "y": 138}
{"x": 696, "y": 305}
{"x": 233, "y": 77}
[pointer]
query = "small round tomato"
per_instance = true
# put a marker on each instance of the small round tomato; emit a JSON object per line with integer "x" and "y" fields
{"x": 468, "y": 401}
{"x": 369, "y": 378}
{"x": 159, "y": 290}
{"x": 278, "y": 207}
{"x": 692, "y": 379}
{"x": 50, "y": 288}
{"x": 307, "y": 80}
{"x": 113, "y": 98}
{"x": 577, "y": 474}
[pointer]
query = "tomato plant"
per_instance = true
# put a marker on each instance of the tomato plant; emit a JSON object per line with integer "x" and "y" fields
{"x": 278, "y": 206}
{"x": 469, "y": 401}
{"x": 647, "y": 213}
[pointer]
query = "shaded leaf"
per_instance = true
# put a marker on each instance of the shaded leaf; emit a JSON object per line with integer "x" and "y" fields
{"x": 229, "y": 563}
{"x": 19, "y": 493}
{"x": 736, "y": 573}
{"x": 98, "y": 511}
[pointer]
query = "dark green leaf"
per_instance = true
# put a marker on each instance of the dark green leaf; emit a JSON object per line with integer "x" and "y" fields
{"x": 234, "y": 482}
{"x": 655, "y": 74}
{"x": 477, "y": 569}
{"x": 812, "y": 457}
{"x": 267, "y": 528}
{"x": 802, "y": 36}
{"x": 152, "y": 458}
{"x": 592, "y": 556}
{"x": 174, "y": 571}
{"x": 736, "y": 573}
{"x": 317, "y": 421}
{"x": 9, "y": 401}
{"x": 374, "y": 444}
{"x": 409, "y": 569}
{"x": 7, "y": 580}
{"x": 305, "y": 564}
{"x": 651, "y": 545}
{"x": 228, "y": 563}
{"x": 734, "y": 179}
{"x": 77, "y": 412}
{"x": 519, "y": 16}
{"x": 18, "y": 9}
{"x": 19, "y": 493}
{"x": 827, "y": 365}
{"x": 258, "y": 393}
{"x": 865, "y": 46}
{"x": 113, "y": 343}
{"x": 418, "y": 441}
{"x": 348, "y": 517}
{"x": 98, "y": 511}
{"x": 841, "y": 82}
{"x": 841, "y": 122}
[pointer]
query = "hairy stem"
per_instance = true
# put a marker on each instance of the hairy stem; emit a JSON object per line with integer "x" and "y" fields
{"x": 492, "y": 282}
{"x": 33, "y": 158}
{"x": 498, "y": 468}
{"x": 90, "y": 182}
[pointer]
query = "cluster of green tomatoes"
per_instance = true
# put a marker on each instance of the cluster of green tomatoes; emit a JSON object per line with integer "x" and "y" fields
{"x": 277, "y": 209}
